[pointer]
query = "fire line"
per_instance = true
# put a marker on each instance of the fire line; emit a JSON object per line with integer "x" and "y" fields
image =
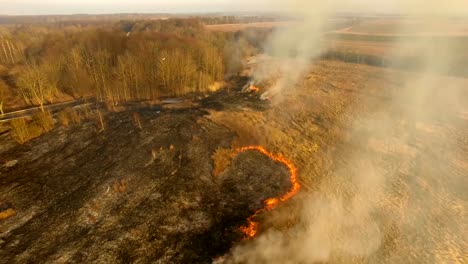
{"x": 251, "y": 229}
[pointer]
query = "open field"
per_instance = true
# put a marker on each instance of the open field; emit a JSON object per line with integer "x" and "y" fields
{"x": 407, "y": 26}
{"x": 197, "y": 140}
{"x": 367, "y": 165}
{"x": 384, "y": 27}
{"x": 384, "y": 42}
{"x": 149, "y": 193}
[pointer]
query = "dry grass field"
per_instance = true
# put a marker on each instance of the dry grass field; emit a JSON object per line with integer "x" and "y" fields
{"x": 393, "y": 26}
{"x": 334, "y": 155}
{"x": 388, "y": 168}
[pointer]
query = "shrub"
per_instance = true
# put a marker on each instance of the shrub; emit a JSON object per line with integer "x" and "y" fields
{"x": 70, "y": 116}
{"x": 23, "y": 131}
{"x": 75, "y": 116}
{"x": 19, "y": 130}
{"x": 63, "y": 118}
{"x": 44, "y": 120}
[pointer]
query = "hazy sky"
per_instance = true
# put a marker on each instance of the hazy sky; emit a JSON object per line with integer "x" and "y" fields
{"x": 22, "y": 7}
{"x": 123, "y": 6}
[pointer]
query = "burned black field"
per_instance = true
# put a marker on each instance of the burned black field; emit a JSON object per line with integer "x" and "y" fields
{"x": 127, "y": 194}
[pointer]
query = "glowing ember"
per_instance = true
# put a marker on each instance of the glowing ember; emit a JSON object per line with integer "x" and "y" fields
{"x": 254, "y": 88}
{"x": 251, "y": 229}
{"x": 271, "y": 203}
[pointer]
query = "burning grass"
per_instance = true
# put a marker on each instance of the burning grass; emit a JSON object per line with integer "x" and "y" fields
{"x": 222, "y": 159}
{"x": 172, "y": 210}
{"x": 251, "y": 229}
{"x": 361, "y": 192}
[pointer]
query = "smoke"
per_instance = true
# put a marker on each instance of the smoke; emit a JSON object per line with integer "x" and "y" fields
{"x": 293, "y": 47}
{"x": 400, "y": 194}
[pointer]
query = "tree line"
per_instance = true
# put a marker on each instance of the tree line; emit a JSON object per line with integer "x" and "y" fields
{"x": 121, "y": 61}
{"x": 111, "y": 63}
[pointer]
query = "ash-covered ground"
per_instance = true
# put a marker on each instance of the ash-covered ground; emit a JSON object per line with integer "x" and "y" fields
{"x": 127, "y": 194}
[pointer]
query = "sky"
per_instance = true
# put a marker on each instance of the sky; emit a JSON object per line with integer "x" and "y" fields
{"x": 42, "y": 7}
{"x": 23, "y": 7}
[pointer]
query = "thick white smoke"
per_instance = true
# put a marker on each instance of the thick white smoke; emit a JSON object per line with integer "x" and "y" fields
{"x": 417, "y": 203}
{"x": 293, "y": 47}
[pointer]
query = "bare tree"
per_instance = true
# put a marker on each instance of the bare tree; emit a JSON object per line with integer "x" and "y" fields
{"x": 32, "y": 83}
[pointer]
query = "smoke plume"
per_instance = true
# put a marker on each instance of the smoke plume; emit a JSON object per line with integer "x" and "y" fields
{"x": 400, "y": 196}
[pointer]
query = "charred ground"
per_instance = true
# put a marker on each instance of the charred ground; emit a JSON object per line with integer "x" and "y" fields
{"x": 150, "y": 195}
{"x": 129, "y": 194}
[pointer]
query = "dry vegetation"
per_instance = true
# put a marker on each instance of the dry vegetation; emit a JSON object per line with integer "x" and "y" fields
{"x": 333, "y": 124}
{"x": 327, "y": 138}
{"x": 118, "y": 61}
{"x": 44, "y": 64}
{"x": 149, "y": 194}
{"x": 393, "y": 26}
{"x": 70, "y": 116}
{"x": 397, "y": 42}
{"x": 222, "y": 159}
{"x": 311, "y": 126}
{"x": 19, "y": 130}
{"x": 25, "y": 129}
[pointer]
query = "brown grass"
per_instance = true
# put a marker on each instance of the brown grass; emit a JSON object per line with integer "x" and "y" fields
{"x": 137, "y": 120}
{"x": 222, "y": 159}
{"x": 45, "y": 120}
{"x": 313, "y": 125}
{"x": 23, "y": 131}
{"x": 360, "y": 47}
{"x": 392, "y": 27}
{"x": 70, "y": 116}
{"x": 19, "y": 130}
{"x": 120, "y": 186}
{"x": 101, "y": 125}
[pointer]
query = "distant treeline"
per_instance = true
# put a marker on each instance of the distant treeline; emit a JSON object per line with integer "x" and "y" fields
{"x": 449, "y": 54}
{"x": 463, "y": 39}
{"x": 216, "y": 20}
{"x": 456, "y": 67}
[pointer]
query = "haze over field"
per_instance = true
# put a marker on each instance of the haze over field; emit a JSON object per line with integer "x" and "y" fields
{"x": 347, "y": 216}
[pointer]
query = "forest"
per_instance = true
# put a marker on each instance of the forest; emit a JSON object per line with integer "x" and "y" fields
{"x": 117, "y": 61}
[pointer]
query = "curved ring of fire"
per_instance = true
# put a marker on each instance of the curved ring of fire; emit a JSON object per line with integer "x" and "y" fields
{"x": 251, "y": 229}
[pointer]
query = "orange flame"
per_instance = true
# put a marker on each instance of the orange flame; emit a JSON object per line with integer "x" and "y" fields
{"x": 254, "y": 88}
{"x": 271, "y": 203}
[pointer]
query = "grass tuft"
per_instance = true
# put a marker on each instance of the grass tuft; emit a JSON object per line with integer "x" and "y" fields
{"x": 221, "y": 158}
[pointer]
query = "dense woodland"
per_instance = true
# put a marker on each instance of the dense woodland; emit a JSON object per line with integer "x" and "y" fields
{"x": 119, "y": 61}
